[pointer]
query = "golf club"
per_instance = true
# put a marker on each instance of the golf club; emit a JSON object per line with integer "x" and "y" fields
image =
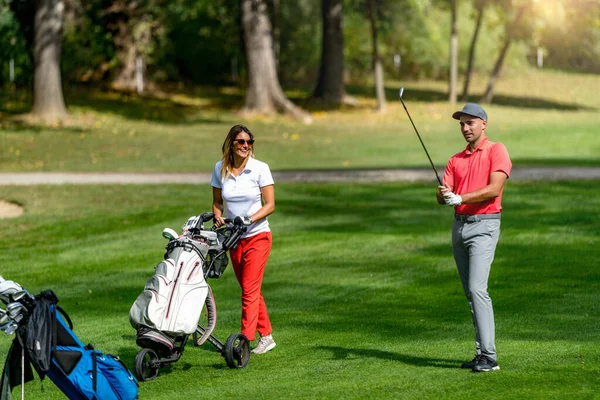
{"x": 419, "y": 136}
{"x": 11, "y": 329}
{"x": 8, "y": 327}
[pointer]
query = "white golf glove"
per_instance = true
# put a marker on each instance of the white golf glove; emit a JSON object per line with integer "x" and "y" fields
{"x": 452, "y": 199}
{"x": 247, "y": 220}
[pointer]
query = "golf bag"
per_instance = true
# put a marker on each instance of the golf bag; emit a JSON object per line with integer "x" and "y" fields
{"x": 168, "y": 310}
{"x": 82, "y": 372}
{"x": 45, "y": 339}
{"x": 171, "y": 302}
{"x": 172, "y": 298}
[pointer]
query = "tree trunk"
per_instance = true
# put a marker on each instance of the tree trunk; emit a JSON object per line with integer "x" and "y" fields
{"x": 274, "y": 5}
{"x": 377, "y": 65}
{"x": 48, "y": 101}
{"x": 489, "y": 92}
{"x": 452, "y": 92}
{"x": 480, "y": 7}
{"x": 264, "y": 94}
{"x": 129, "y": 47}
{"x": 330, "y": 84}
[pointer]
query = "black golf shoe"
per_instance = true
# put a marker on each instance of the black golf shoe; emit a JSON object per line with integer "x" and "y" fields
{"x": 486, "y": 365}
{"x": 472, "y": 363}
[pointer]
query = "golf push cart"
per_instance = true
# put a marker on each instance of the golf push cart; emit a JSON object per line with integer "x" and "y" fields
{"x": 167, "y": 312}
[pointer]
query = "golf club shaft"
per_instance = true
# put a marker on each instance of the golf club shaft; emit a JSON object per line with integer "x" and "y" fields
{"x": 420, "y": 140}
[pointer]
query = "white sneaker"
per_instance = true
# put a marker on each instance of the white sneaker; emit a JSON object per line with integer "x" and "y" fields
{"x": 265, "y": 343}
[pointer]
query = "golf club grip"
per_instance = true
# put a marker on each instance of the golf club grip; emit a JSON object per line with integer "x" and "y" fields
{"x": 207, "y": 216}
{"x": 231, "y": 240}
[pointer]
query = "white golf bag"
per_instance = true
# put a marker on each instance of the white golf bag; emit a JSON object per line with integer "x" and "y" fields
{"x": 174, "y": 296}
{"x": 167, "y": 312}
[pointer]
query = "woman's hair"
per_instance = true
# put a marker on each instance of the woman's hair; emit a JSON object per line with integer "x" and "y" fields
{"x": 228, "y": 148}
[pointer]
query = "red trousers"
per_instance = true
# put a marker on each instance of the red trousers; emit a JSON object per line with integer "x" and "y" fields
{"x": 249, "y": 259}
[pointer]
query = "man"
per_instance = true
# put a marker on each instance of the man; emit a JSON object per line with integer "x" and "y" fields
{"x": 473, "y": 184}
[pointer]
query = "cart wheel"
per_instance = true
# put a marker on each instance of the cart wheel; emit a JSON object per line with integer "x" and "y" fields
{"x": 145, "y": 368}
{"x": 237, "y": 351}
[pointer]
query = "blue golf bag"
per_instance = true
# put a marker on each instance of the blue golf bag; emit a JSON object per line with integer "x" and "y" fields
{"x": 45, "y": 332}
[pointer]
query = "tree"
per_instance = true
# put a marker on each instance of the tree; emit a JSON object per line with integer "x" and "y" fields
{"x": 264, "y": 94}
{"x": 453, "y": 53}
{"x": 511, "y": 30}
{"x": 133, "y": 26}
{"x": 372, "y": 11}
{"x": 479, "y": 6}
{"x": 330, "y": 84}
{"x": 48, "y": 101}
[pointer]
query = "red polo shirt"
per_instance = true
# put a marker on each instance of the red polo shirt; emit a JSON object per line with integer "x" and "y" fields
{"x": 467, "y": 172}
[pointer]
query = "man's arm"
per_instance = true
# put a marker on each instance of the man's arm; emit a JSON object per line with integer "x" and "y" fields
{"x": 488, "y": 192}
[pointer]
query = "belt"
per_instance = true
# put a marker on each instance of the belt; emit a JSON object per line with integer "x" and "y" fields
{"x": 476, "y": 217}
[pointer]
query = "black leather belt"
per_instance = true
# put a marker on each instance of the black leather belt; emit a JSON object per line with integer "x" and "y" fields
{"x": 475, "y": 218}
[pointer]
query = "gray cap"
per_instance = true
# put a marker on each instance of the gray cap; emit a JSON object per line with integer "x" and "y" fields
{"x": 472, "y": 109}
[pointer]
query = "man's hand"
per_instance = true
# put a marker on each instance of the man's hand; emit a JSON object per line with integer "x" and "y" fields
{"x": 452, "y": 199}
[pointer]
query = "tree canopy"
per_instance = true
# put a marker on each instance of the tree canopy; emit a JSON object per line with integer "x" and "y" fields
{"x": 201, "y": 41}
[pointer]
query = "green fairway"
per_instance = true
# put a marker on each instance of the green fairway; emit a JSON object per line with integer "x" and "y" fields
{"x": 361, "y": 286}
{"x": 543, "y": 117}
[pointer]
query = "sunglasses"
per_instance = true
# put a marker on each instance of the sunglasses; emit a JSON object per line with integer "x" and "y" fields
{"x": 243, "y": 142}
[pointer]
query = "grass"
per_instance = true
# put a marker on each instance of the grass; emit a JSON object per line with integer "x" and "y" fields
{"x": 543, "y": 117}
{"x": 361, "y": 287}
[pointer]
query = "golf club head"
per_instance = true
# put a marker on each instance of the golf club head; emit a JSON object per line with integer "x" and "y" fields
{"x": 7, "y": 288}
{"x": 3, "y": 316}
{"x": 169, "y": 233}
{"x": 401, "y": 91}
{"x": 4, "y": 325}
{"x": 11, "y": 328}
{"x": 14, "y": 310}
{"x": 18, "y": 296}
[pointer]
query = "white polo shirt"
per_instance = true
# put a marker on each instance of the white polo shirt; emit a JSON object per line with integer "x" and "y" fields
{"x": 242, "y": 194}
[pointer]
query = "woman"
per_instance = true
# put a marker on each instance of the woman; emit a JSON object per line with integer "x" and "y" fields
{"x": 245, "y": 186}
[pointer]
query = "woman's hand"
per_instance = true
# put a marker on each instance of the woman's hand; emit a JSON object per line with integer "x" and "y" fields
{"x": 219, "y": 221}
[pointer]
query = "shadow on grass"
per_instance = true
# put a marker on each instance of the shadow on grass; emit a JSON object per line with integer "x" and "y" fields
{"x": 189, "y": 105}
{"x": 428, "y": 95}
{"x": 342, "y": 353}
{"x": 182, "y": 107}
{"x": 161, "y": 107}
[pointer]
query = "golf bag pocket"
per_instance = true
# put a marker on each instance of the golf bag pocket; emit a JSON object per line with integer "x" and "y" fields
{"x": 118, "y": 376}
{"x": 81, "y": 372}
{"x": 93, "y": 376}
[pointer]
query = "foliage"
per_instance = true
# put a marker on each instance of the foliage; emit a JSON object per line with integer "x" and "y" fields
{"x": 88, "y": 52}
{"x": 300, "y": 29}
{"x": 203, "y": 40}
{"x": 570, "y": 35}
{"x": 13, "y": 46}
{"x": 200, "y": 41}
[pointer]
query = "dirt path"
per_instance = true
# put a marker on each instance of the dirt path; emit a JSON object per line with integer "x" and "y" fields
{"x": 366, "y": 175}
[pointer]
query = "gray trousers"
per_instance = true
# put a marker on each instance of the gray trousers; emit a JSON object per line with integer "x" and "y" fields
{"x": 473, "y": 245}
